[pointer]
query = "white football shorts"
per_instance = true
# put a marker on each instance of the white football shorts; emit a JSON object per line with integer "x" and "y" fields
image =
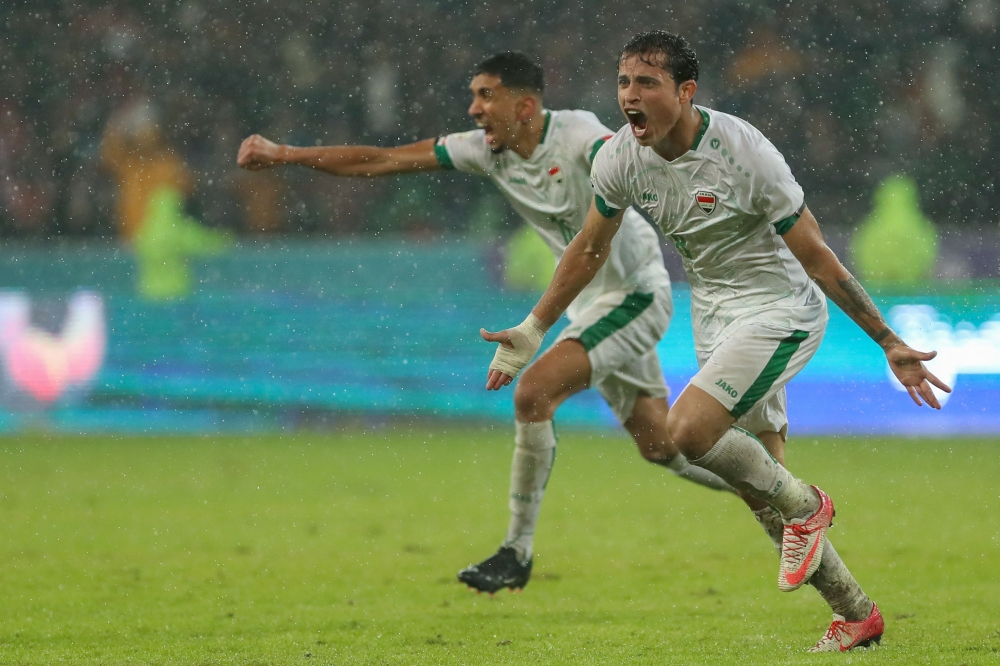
{"x": 748, "y": 371}
{"x": 620, "y": 331}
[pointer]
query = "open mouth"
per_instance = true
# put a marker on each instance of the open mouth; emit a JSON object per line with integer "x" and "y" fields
{"x": 488, "y": 129}
{"x": 637, "y": 119}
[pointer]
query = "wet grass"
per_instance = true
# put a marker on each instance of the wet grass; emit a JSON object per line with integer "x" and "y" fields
{"x": 342, "y": 549}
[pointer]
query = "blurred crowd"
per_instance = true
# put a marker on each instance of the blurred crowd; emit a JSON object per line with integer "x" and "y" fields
{"x": 102, "y": 102}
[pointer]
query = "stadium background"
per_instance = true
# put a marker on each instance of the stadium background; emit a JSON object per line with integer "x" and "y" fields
{"x": 297, "y": 300}
{"x": 307, "y": 347}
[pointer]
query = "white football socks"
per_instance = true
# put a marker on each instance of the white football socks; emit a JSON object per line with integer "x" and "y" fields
{"x": 837, "y": 586}
{"x": 534, "y": 454}
{"x": 773, "y": 526}
{"x": 744, "y": 463}
{"x": 832, "y": 580}
{"x": 680, "y": 466}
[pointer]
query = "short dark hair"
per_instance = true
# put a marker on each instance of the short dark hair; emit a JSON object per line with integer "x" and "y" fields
{"x": 682, "y": 61}
{"x": 515, "y": 70}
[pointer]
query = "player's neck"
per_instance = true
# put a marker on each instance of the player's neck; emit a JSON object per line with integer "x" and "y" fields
{"x": 680, "y": 139}
{"x": 529, "y": 135}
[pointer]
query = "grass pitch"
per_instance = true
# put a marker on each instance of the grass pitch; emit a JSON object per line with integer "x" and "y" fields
{"x": 334, "y": 549}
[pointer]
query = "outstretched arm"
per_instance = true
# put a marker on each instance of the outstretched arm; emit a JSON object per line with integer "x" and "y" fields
{"x": 584, "y": 256}
{"x": 256, "y": 153}
{"x": 806, "y": 242}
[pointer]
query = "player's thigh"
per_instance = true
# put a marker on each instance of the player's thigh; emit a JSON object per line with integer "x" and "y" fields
{"x": 697, "y": 421}
{"x": 614, "y": 338}
{"x": 564, "y": 369}
{"x": 747, "y": 370}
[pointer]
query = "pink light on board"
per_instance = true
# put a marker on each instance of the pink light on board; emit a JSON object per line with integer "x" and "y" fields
{"x": 44, "y": 365}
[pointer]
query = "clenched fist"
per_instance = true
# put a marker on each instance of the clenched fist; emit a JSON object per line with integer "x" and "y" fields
{"x": 256, "y": 153}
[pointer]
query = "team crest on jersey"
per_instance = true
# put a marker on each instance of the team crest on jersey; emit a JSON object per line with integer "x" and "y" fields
{"x": 556, "y": 173}
{"x": 706, "y": 201}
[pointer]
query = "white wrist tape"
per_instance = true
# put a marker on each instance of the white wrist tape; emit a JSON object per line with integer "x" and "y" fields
{"x": 526, "y": 338}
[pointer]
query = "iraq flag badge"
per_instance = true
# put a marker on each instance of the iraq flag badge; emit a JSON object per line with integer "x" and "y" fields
{"x": 556, "y": 173}
{"x": 706, "y": 201}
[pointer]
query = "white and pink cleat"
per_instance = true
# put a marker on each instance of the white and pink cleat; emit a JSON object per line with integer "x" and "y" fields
{"x": 802, "y": 545}
{"x": 843, "y": 635}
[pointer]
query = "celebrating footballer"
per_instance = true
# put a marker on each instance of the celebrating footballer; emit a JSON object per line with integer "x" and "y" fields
{"x": 758, "y": 269}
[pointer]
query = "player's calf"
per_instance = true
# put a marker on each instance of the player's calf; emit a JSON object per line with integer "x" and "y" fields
{"x": 681, "y": 468}
{"x": 648, "y": 427}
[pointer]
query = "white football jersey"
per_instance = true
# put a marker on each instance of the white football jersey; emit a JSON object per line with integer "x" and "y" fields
{"x": 725, "y": 205}
{"x": 551, "y": 190}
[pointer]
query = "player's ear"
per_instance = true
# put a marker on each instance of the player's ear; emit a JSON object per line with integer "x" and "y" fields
{"x": 686, "y": 91}
{"x": 526, "y": 108}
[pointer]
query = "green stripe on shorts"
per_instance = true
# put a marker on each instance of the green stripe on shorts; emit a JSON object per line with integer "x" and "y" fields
{"x": 775, "y": 366}
{"x": 617, "y": 319}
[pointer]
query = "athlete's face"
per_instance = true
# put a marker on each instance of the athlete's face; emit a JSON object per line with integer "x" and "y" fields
{"x": 496, "y": 109}
{"x": 650, "y": 99}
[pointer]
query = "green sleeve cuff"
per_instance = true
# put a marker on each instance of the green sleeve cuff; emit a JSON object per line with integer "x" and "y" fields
{"x": 597, "y": 146}
{"x": 443, "y": 158}
{"x": 603, "y": 208}
{"x": 785, "y": 225}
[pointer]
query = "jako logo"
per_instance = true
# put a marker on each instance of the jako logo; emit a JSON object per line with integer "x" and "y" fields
{"x": 727, "y": 388}
{"x": 646, "y": 197}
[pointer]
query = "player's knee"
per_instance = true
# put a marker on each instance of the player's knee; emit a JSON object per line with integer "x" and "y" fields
{"x": 653, "y": 449}
{"x": 684, "y": 434}
{"x": 532, "y": 401}
{"x": 658, "y": 456}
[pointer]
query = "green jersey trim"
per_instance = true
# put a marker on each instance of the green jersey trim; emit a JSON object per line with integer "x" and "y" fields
{"x": 443, "y": 158}
{"x": 603, "y": 208}
{"x": 617, "y": 319}
{"x": 785, "y": 225}
{"x": 705, "y": 120}
{"x": 545, "y": 127}
{"x": 597, "y": 146}
{"x": 765, "y": 380}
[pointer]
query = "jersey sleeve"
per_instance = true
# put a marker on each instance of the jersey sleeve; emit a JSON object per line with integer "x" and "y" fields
{"x": 587, "y": 134}
{"x": 610, "y": 193}
{"x": 776, "y": 194}
{"x": 465, "y": 151}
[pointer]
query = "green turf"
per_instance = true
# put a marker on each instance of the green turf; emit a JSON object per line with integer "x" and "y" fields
{"x": 333, "y": 549}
